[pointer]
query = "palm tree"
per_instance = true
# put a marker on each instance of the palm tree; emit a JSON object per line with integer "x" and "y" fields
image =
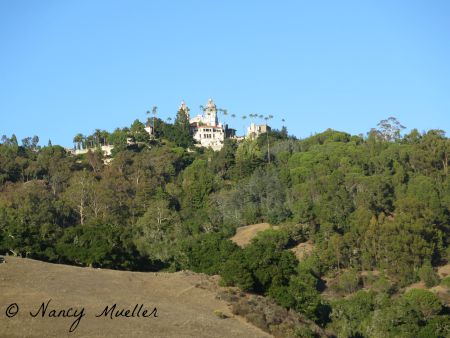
{"x": 78, "y": 139}
{"x": 203, "y": 109}
{"x": 244, "y": 117}
{"x": 97, "y": 135}
{"x": 104, "y": 136}
{"x": 223, "y": 111}
{"x": 89, "y": 141}
{"x": 148, "y": 112}
{"x": 154, "y": 112}
{"x": 225, "y": 114}
{"x": 267, "y": 118}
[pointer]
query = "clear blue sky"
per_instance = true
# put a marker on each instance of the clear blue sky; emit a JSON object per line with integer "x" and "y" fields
{"x": 73, "y": 66}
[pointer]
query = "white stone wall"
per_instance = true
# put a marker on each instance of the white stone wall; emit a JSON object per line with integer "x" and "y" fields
{"x": 106, "y": 150}
{"x": 149, "y": 130}
{"x": 209, "y": 136}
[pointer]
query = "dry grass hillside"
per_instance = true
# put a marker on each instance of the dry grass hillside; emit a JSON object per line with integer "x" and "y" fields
{"x": 303, "y": 249}
{"x": 246, "y": 233}
{"x": 186, "y": 303}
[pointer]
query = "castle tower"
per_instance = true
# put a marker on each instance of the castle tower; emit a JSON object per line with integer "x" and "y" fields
{"x": 211, "y": 113}
{"x": 184, "y": 108}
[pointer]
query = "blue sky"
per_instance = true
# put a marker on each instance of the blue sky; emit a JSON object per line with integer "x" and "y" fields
{"x": 73, "y": 66}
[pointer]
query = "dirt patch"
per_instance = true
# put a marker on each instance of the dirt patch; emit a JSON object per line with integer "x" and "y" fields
{"x": 443, "y": 293}
{"x": 186, "y": 302}
{"x": 303, "y": 249}
{"x": 419, "y": 285}
{"x": 246, "y": 233}
{"x": 366, "y": 273}
{"x": 444, "y": 271}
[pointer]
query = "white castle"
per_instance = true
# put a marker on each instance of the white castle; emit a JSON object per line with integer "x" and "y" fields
{"x": 206, "y": 128}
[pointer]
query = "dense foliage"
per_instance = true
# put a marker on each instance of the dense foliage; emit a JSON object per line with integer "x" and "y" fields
{"x": 377, "y": 204}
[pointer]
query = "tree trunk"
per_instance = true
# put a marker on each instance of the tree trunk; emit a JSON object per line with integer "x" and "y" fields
{"x": 81, "y": 211}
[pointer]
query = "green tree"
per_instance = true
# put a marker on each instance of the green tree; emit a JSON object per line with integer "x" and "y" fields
{"x": 248, "y": 157}
{"x": 157, "y": 231}
{"x": 198, "y": 183}
{"x": 428, "y": 275}
{"x": 138, "y": 133}
{"x": 207, "y": 253}
{"x": 424, "y": 302}
{"x": 351, "y": 316}
{"x": 183, "y": 136}
{"x": 390, "y": 129}
{"x": 78, "y": 193}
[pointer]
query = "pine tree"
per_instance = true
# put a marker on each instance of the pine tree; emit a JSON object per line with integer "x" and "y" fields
{"x": 183, "y": 136}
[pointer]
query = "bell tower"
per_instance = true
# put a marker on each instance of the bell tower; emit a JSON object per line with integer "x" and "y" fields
{"x": 183, "y": 107}
{"x": 211, "y": 113}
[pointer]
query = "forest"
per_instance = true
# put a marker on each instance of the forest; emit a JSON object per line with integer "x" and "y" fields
{"x": 376, "y": 208}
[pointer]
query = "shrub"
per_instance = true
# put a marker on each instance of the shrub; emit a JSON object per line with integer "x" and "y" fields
{"x": 207, "y": 253}
{"x": 236, "y": 273}
{"x": 428, "y": 275}
{"x": 220, "y": 314}
{"x": 304, "y": 332}
{"x": 424, "y": 302}
{"x": 258, "y": 320}
{"x": 382, "y": 285}
{"x": 349, "y": 281}
{"x": 446, "y": 282}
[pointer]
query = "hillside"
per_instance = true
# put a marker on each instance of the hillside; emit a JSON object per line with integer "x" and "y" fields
{"x": 185, "y": 302}
{"x": 245, "y": 234}
{"x": 312, "y": 220}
